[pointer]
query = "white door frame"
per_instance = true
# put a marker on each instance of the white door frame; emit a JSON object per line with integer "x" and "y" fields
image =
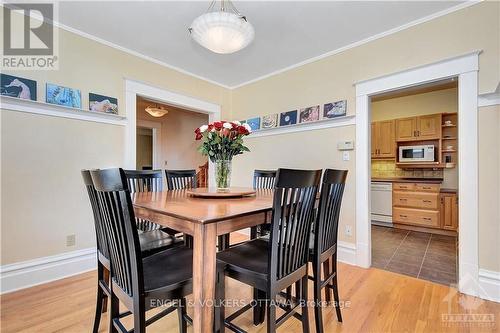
{"x": 155, "y": 128}
{"x": 466, "y": 68}
{"x": 135, "y": 88}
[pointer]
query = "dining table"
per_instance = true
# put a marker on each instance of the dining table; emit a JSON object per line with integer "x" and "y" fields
{"x": 204, "y": 219}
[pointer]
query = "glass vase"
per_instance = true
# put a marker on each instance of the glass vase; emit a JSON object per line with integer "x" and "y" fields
{"x": 223, "y": 175}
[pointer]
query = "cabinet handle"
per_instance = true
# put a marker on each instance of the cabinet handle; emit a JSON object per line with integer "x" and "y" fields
{"x": 427, "y": 188}
{"x": 427, "y": 201}
{"x": 402, "y": 186}
{"x": 418, "y": 133}
{"x": 427, "y": 219}
{"x": 404, "y": 216}
{"x": 403, "y": 199}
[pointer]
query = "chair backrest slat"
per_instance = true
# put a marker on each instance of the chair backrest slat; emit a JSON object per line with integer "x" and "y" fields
{"x": 119, "y": 221}
{"x": 264, "y": 179}
{"x": 327, "y": 223}
{"x": 294, "y": 198}
{"x": 144, "y": 180}
{"x": 181, "y": 179}
{"x": 102, "y": 244}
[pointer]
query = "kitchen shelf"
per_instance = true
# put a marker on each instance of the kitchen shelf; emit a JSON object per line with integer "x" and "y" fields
{"x": 449, "y": 151}
{"x": 430, "y": 165}
{"x": 448, "y": 126}
{"x": 452, "y": 138}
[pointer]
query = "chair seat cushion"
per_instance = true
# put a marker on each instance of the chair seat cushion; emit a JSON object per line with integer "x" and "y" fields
{"x": 249, "y": 257}
{"x": 156, "y": 240}
{"x": 168, "y": 269}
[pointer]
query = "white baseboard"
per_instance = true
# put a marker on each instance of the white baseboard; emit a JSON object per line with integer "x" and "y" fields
{"x": 489, "y": 285}
{"x": 346, "y": 252}
{"x": 42, "y": 270}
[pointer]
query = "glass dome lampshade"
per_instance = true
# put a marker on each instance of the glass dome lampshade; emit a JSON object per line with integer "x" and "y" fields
{"x": 222, "y": 31}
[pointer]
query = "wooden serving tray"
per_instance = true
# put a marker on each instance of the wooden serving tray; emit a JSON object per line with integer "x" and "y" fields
{"x": 211, "y": 192}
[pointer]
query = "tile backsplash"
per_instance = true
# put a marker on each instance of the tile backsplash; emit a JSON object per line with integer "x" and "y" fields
{"x": 387, "y": 168}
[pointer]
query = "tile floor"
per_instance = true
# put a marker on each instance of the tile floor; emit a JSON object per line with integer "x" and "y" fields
{"x": 418, "y": 254}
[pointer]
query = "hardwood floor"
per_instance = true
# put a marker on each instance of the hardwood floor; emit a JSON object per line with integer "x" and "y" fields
{"x": 376, "y": 301}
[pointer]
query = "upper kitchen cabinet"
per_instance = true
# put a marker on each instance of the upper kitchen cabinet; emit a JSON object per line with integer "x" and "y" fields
{"x": 383, "y": 139}
{"x": 426, "y": 127}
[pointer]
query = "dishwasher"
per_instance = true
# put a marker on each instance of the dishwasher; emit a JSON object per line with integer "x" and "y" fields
{"x": 381, "y": 200}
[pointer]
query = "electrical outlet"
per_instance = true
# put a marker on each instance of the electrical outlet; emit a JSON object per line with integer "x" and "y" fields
{"x": 348, "y": 230}
{"x": 166, "y": 162}
{"x": 70, "y": 240}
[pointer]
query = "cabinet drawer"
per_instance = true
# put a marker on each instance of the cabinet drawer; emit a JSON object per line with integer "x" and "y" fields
{"x": 403, "y": 186}
{"x": 420, "y": 217}
{"x": 427, "y": 187}
{"x": 416, "y": 200}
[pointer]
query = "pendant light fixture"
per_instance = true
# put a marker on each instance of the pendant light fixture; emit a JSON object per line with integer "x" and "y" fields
{"x": 156, "y": 111}
{"x": 222, "y": 29}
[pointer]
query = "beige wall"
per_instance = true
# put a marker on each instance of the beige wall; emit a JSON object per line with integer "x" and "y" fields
{"x": 333, "y": 78}
{"x": 41, "y": 157}
{"x": 178, "y": 146}
{"x": 440, "y": 101}
{"x": 43, "y": 198}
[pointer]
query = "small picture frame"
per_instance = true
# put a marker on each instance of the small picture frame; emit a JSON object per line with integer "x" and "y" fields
{"x": 288, "y": 118}
{"x": 309, "y": 114}
{"x": 269, "y": 121}
{"x": 335, "y": 109}
{"x": 17, "y": 87}
{"x": 254, "y": 123}
{"x": 59, "y": 95}
{"x": 101, "y": 103}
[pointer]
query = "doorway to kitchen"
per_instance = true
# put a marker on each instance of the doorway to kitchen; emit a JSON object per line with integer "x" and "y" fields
{"x": 465, "y": 68}
{"x": 414, "y": 181}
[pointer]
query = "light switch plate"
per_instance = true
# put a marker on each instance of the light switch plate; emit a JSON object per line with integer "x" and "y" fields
{"x": 345, "y": 156}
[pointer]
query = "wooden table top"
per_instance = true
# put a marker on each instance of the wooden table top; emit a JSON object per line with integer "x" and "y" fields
{"x": 179, "y": 204}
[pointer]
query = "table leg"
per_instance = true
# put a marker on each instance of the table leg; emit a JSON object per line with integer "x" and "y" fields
{"x": 204, "y": 275}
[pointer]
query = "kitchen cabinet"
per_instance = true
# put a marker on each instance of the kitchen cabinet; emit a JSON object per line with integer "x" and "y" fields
{"x": 449, "y": 211}
{"x": 427, "y": 127}
{"x": 416, "y": 204}
{"x": 383, "y": 139}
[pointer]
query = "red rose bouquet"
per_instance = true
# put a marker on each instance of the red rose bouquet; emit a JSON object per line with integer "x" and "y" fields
{"x": 221, "y": 141}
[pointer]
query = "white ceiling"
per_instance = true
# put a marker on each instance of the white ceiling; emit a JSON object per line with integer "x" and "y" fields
{"x": 286, "y": 33}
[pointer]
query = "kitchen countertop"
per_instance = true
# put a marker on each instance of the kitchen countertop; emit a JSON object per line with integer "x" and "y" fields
{"x": 407, "y": 180}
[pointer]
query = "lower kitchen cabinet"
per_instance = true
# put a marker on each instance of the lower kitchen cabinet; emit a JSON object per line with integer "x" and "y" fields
{"x": 422, "y": 205}
{"x": 449, "y": 211}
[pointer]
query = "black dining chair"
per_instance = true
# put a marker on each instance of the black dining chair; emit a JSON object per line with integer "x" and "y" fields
{"x": 280, "y": 262}
{"x": 323, "y": 242}
{"x": 149, "y": 243}
{"x": 263, "y": 179}
{"x": 139, "y": 283}
{"x": 147, "y": 181}
{"x": 181, "y": 179}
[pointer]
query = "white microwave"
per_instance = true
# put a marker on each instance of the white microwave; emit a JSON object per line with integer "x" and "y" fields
{"x": 415, "y": 154}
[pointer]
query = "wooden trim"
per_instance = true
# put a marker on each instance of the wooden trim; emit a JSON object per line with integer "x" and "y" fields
{"x": 53, "y": 110}
{"x": 316, "y": 125}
